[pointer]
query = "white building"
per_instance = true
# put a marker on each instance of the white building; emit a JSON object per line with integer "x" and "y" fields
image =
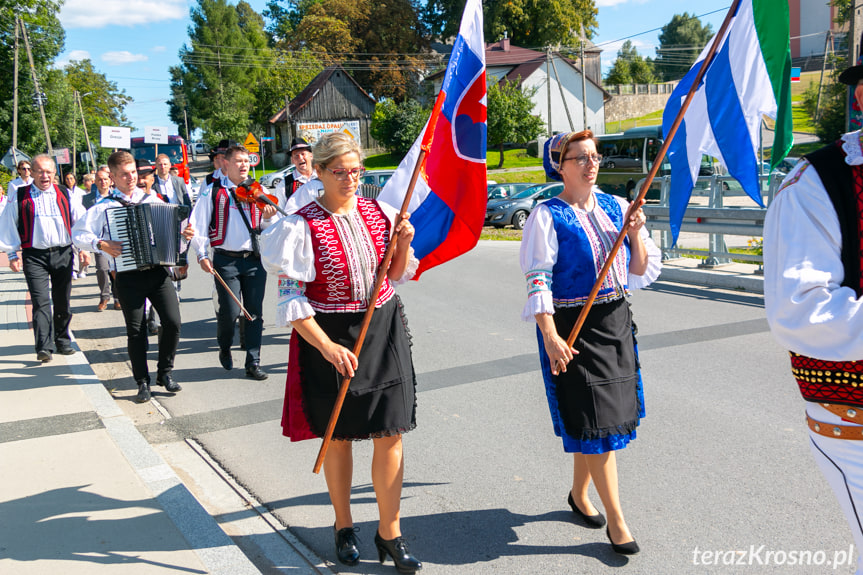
{"x": 533, "y": 69}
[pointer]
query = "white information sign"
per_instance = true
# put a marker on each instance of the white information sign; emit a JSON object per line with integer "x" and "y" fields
{"x": 116, "y": 137}
{"x": 155, "y": 135}
{"x": 311, "y": 131}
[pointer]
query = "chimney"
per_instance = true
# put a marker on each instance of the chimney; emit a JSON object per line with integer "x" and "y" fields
{"x": 504, "y": 42}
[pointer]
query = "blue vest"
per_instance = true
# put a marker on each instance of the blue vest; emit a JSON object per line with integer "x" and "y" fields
{"x": 582, "y": 252}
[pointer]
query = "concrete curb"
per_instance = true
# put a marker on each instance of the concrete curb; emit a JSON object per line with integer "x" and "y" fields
{"x": 213, "y": 547}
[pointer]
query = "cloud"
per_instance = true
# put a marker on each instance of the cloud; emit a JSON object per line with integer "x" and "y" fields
{"x": 122, "y": 57}
{"x": 158, "y": 49}
{"x": 89, "y": 14}
{"x": 77, "y": 55}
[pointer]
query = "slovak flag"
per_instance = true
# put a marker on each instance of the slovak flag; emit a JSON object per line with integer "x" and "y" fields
{"x": 448, "y": 204}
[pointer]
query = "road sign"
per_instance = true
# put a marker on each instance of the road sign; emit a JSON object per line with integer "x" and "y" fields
{"x": 116, "y": 137}
{"x": 251, "y": 143}
{"x": 254, "y": 159}
{"x": 62, "y": 155}
{"x": 12, "y": 157}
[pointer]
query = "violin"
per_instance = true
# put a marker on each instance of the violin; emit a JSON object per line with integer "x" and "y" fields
{"x": 251, "y": 191}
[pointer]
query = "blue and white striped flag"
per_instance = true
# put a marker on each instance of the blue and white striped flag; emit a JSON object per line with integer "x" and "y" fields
{"x": 749, "y": 76}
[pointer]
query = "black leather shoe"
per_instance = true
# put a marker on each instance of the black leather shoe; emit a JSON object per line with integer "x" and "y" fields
{"x": 65, "y": 350}
{"x": 44, "y": 356}
{"x": 143, "y": 391}
{"x": 593, "y": 521}
{"x": 397, "y": 549}
{"x": 629, "y": 548}
{"x": 346, "y": 545}
{"x": 255, "y": 372}
{"x": 166, "y": 380}
{"x": 225, "y": 359}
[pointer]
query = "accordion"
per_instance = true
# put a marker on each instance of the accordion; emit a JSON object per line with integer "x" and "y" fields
{"x": 150, "y": 233}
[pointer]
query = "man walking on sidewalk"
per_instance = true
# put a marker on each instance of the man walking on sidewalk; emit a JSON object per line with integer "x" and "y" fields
{"x": 38, "y": 220}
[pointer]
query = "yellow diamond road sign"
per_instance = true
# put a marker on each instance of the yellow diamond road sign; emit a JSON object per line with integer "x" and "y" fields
{"x": 251, "y": 143}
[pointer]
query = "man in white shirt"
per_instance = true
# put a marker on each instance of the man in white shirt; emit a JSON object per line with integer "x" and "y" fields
{"x": 232, "y": 229}
{"x": 103, "y": 261}
{"x": 301, "y": 157}
{"x": 136, "y": 286}
{"x": 813, "y": 296}
{"x": 38, "y": 220}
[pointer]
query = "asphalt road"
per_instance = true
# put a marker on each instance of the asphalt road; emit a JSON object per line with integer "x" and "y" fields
{"x": 721, "y": 463}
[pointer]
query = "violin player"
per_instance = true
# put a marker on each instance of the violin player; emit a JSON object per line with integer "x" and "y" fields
{"x": 232, "y": 229}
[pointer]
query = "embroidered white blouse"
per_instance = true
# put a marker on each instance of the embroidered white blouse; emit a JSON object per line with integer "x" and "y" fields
{"x": 539, "y": 249}
{"x": 286, "y": 249}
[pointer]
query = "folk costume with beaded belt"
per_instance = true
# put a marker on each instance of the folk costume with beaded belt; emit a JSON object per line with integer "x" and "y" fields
{"x": 597, "y": 403}
{"x": 812, "y": 296}
{"x": 327, "y": 264}
{"x": 813, "y": 293}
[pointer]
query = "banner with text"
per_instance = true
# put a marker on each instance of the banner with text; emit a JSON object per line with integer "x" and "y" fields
{"x": 311, "y": 131}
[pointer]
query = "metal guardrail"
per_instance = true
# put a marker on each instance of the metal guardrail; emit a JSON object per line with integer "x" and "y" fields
{"x": 716, "y": 219}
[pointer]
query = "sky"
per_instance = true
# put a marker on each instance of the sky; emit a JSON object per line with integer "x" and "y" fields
{"x": 134, "y": 42}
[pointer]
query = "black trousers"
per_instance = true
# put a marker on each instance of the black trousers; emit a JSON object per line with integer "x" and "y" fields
{"x": 246, "y": 277}
{"x": 40, "y": 266}
{"x": 133, "y": 288}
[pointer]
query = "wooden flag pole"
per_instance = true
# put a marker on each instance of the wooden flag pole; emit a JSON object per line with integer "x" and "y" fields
{"x": 382, "y": 274}
{"x": 653, "y": 171}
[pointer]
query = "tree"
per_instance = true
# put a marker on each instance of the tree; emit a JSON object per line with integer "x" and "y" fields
{"x": 630, "y": 67}
{"x": 510, "y": 116}
{"x": 398, "y": 125}
{"x": 529, "y": 23}
{"x": 680, "y": 43}
{"x": 377, "y": 41}
{"x": 46, "y": 41}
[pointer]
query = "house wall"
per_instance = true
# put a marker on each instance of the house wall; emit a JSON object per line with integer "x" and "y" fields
{"x": 570, "y": 78}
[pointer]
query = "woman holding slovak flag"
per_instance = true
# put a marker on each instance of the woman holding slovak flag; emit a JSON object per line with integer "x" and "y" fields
{"x": 329, "y": 251}
{"x": 594, "y": 388}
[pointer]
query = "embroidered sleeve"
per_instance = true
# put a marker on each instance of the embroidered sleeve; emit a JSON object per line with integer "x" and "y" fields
{"x": 291, "y": 302}
{"x": 538, "y": 255}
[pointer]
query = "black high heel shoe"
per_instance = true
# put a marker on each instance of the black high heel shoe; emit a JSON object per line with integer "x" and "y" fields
{"x": 593, "y": 521}
{"x": 346, "y": 545}
{"x": 397, "y": 549}
{"x": 629, "y": 548}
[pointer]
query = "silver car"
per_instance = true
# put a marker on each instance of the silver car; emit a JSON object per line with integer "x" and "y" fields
{"x": 273, "y": 179}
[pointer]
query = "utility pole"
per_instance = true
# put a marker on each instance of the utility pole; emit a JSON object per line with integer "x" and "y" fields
{"x": 853, "y": 50}
{"x": 548, "y": 85}
{"x": 15, "y": 100}
{"x": 583, "y": 79}
{"x": 39, "y": 96}
{"x": 562, "y": 94}
{"x": 86, "y": 135}
{"x": 288, "y": 122}
{"x": 821, "y": 81}
{"x": 186, "y": 120}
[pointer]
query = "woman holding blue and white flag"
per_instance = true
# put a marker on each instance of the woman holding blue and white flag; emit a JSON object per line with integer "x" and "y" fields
{"x": 593, "y": 389}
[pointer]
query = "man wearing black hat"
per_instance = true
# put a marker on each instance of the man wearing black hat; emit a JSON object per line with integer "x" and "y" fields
{"x": 813, "y": 295}
{"x": 217, "y": 156}
{"x": 301, "y": 157}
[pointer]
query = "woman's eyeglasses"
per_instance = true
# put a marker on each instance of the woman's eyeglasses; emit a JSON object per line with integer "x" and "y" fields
{"x": 584, "y": 160}
{"x": 342, "y": 174}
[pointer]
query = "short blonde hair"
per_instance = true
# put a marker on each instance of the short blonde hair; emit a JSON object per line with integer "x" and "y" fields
{"x": 333, "y": 145}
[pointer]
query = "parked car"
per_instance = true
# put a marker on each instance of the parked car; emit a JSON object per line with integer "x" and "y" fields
{"x": 505, "y": 190}
{"x": 199, "y": 148}
{"x": 273, "y": 179}
{"x": 376, "y": 177}
{"x": 516, "y": 209}
{"x": 620, "y": 162}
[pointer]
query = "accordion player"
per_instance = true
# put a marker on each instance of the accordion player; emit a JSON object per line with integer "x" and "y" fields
{"x": 150, "y": 234}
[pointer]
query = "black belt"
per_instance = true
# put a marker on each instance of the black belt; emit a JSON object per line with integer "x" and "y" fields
{"x": 46, "y": 250}
{"x": 231, "y": 254}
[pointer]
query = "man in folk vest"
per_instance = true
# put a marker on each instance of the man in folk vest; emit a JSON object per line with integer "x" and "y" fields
{"x": 232, "y": 229}
{"x": 813, "y": 295}
{"x": 136, "y": 286}
{"x": 38, "y": 220}
{"x": 301, "y": 157}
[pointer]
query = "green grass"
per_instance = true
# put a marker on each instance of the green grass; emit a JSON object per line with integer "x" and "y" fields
{"x": 651, "y": 119}
{"x": 516, "y": 158}
{"x": 527, "y": 176}
{"x": 501, "y": 234}
{"x": 382, "y": 162}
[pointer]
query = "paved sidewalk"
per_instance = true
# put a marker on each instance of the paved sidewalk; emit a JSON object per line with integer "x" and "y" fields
{"x": 81, "y": 490}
